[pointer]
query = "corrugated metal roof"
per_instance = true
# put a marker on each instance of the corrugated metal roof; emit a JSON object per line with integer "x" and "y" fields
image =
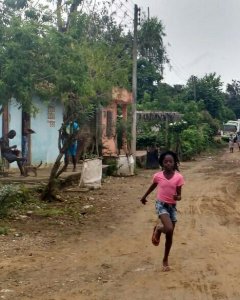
{"x": 159, "y": 115}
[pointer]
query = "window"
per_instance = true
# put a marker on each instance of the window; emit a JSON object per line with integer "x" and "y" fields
{"x": 51, "y": 116}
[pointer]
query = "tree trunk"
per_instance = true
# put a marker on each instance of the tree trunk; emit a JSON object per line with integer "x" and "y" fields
{"x": 59, "y": 16}
{"x": 72, "y": 9}
{"x": 49, "y": 193}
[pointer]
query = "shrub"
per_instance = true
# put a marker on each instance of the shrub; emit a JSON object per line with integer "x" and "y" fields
{"x": 112, "y": 167}
{"x": 187, "y": 150}
{"x": 12, "y": 197}
{"x": 3, "y": 230}
{"x": 194, "y": 140}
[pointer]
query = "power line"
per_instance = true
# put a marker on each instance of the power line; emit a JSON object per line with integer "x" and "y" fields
{"x": 177, "y": 68}
{"x": 130, "y": 1}
{"x": 118, "y": 11}
{"x": 124, "y": 11}
{"x": 130, "y": 10}
{"x": 178, "y": 74}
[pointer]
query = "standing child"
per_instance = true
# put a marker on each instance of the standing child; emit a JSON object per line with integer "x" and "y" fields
{"x": 169, "y": 182}
{"x": 231, "y": 143}
{"x": 70, "y": 129}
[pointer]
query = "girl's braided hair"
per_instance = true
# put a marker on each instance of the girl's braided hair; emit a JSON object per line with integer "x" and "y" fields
{"x": 174, "y": 156}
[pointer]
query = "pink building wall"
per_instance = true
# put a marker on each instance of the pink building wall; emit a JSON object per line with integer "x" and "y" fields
{"x": 123, "y": 98}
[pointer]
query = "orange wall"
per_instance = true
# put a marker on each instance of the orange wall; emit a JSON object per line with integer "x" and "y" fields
{"x": 109, "y": 144}
{"x": 121, "y": 95}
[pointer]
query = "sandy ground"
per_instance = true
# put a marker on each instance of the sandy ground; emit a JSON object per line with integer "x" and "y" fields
{"x": 109, "y": 255}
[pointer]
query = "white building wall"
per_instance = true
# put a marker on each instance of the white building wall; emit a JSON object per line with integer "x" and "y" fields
{"x": 15, "y": 123}
{"x": 44, "y": 143}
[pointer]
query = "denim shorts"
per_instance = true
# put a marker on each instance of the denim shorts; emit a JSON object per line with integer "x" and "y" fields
{"x": 72, "y": 150}
{"x": 164, "y": 208}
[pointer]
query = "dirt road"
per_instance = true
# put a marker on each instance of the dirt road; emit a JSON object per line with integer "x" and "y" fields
{"x": 111, "y": 256}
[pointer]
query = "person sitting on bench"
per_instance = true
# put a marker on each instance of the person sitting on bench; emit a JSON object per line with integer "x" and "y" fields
{"x": 10, "y": 153}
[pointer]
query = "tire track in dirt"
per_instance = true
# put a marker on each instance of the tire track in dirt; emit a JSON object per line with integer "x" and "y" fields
{"x": 207, "y": 213}
{"x": 122, "y": 264}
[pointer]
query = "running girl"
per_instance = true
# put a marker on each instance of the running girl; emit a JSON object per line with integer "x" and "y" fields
{"x": 169, "y": 182}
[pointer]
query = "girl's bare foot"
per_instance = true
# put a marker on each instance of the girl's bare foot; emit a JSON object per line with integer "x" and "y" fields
{"x": 156, "y": 236}
{"x": 165, "y": 267}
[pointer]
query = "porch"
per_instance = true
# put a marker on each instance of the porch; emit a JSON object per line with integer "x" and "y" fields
{"x": 43, "y": 174}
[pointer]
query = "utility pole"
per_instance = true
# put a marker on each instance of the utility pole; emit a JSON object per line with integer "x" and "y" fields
{"x": 134, "y": 84}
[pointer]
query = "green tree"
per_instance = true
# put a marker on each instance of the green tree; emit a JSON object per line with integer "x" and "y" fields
{"x": 152, "y": 57}
{"x": 78, "y": 64}
{"x": 148, "y": 79}
{"x": 151, "y": 46}
{"x": 233, "y": 97}
{"x": 18, "y": 58}
{"x": 208, "y": 90}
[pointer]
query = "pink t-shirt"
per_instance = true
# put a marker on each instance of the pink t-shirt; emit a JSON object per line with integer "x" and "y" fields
{"x": 166, "y": 188}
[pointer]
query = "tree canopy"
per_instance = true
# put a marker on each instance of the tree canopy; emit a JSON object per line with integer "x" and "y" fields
{"x": 61, "y": 51}
{"x": 71, "y": 53}
{"x": 232, "y": 99}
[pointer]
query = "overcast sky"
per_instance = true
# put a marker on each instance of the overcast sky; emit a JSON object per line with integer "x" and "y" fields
{"x": 202, "y": 36}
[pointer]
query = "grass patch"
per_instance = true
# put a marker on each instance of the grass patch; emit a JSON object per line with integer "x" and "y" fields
{"x": 215, "y": 148}
{"x": 18, "y": 200}
{"x": 12, "y": 197}
{"x": 49, "y": 212}
{"x": 3, "y": 230}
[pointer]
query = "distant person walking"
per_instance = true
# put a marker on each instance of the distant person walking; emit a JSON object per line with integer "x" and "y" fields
{"x": 231, "y": 143}
{"x": 71, "y": 128}
{"x": 169, "y": 183}
{"x": 238, "y": 140}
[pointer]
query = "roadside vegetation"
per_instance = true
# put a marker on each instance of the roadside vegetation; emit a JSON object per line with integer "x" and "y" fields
{"x": 204, "y": 107}
{"x": 74, "y": 52}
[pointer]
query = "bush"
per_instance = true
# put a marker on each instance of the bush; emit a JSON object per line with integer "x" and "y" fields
{"x": 112, "y": 167}
{"x": 150, "y": 133}
{"x": 147, "y": 139}
{"x": 3, "y": 230}
{"x": 187, "y": 150}
{"x": 213, "y": 124}
{"x": 194, "y": 140}
{"x": 12, "y": 197}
